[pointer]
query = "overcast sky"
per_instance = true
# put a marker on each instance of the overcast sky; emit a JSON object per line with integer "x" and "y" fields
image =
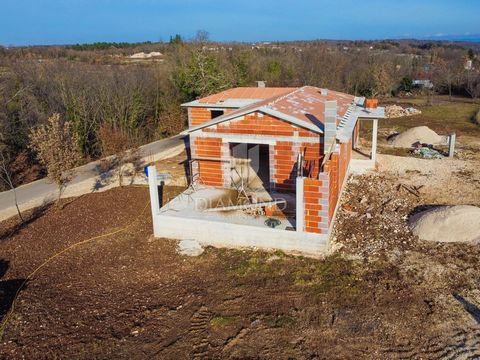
{"x": 29, "y": 22}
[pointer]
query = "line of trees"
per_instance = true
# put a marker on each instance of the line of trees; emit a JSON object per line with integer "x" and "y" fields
{"x": 96, "y": 87}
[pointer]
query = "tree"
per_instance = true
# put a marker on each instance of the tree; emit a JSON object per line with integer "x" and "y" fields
{"x": 383, "y": 81}
{"x": 471, "y": 54}
{"x": 56, "y": 150}
{"x": 406, "y": 84}
{"x": 200, "y": 74}
{"x": 6, "y": 177}
{"x": 176, "y": 40}
{"x": 202, "y": 36}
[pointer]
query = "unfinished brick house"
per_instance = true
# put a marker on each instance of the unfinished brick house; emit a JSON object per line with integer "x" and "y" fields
{"x": 292, "y": 143}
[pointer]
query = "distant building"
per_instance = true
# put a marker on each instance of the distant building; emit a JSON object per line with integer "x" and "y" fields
{"x": 468, "y": 64}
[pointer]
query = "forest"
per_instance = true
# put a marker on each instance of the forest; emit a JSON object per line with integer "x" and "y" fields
{"x": 100, "y": 92}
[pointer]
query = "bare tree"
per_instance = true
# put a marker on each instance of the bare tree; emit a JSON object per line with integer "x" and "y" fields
{"x": 6, "y": 177}
{"x": 56, "y": 149}
{"x": 202, "y": 36}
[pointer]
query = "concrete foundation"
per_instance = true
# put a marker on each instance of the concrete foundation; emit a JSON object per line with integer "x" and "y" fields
{"x": 187, "y": 217}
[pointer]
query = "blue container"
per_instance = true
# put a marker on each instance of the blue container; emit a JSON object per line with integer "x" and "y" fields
{"x": 145, "y": 169}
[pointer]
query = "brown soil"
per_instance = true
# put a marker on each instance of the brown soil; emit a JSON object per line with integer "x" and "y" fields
{"x": 384, "y": 295}
{"x": 133, "y": 297}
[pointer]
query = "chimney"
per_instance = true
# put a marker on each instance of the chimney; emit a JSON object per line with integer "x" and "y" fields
{"x": 261, "y": 84}
{"x": 330, "y": 128}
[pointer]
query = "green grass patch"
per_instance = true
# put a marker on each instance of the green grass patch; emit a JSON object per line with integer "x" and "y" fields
{"x": 445, "y": 118}
{"x": 251, "y": 263}
{"x": 453, "y": 117}
{"x": 334, "y": 276}
{"x": 224, "y": 321}
{"x": 279, "y": 321}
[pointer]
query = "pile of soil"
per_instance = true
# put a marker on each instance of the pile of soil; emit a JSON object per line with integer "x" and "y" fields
{"x": 419, "y": 134}
{"x": 459, "y": 223}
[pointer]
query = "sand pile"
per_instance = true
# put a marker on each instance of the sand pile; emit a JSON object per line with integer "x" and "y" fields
{"x": 459, "y": 223}
{"x": 421, "y": 134}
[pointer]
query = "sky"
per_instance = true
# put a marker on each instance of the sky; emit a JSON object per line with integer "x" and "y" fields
{"x": 45, "y": 22}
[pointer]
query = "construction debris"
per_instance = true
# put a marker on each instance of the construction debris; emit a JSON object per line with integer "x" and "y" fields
{"x": 372, "y": 217}
{"x": 247, "y": 206}
{"x": 428, "y": 153}
{"x": 273, "y": 223}
{"x": 414, "y": 190}
{"x": 190, "y": 248}
{"x": 396, "y": 111}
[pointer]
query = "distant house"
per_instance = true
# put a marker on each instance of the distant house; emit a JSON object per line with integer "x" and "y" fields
{"x": 468, "y": 65}
{"x": 278, "y": 146}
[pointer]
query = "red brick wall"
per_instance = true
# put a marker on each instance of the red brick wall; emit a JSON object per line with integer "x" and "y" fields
{"x": 284, "y": 160}
{"x": 257, "y": 124}
{"x": 331, "y": 167}
{"x": 198, "y": 116}
{"x": 211, "y": 173}
{"x": 209, "y": 167}
{"x": 314, "y": 191}
{"x": 283, "y": 155}
{"x": 356, "y": 131}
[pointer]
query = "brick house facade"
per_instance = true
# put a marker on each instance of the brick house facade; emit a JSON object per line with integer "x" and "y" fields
{"x": 296, "y": 126}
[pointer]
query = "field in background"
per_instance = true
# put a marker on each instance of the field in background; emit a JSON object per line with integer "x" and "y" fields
{"x": 444, "y": 116}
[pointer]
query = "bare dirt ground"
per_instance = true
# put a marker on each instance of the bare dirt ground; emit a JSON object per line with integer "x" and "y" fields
{"x": 384, "y": 295}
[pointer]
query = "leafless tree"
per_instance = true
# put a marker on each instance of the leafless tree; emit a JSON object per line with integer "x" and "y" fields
{"x": 6, "y": 178}
{"x": 56, "y": 149}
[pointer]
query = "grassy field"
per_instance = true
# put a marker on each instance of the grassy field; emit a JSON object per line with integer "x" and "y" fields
{"x": 444, "y": 116}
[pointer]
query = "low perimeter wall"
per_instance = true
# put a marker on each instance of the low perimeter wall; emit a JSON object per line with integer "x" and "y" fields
{"x": 231, "y": 235}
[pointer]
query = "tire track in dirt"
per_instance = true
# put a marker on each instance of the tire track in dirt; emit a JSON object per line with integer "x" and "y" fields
{"x": 460, "y": 344}
{"x": 199, "y": 325}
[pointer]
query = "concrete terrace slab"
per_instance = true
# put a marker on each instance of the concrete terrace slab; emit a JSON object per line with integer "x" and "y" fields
{"x": 185, "y": 218}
